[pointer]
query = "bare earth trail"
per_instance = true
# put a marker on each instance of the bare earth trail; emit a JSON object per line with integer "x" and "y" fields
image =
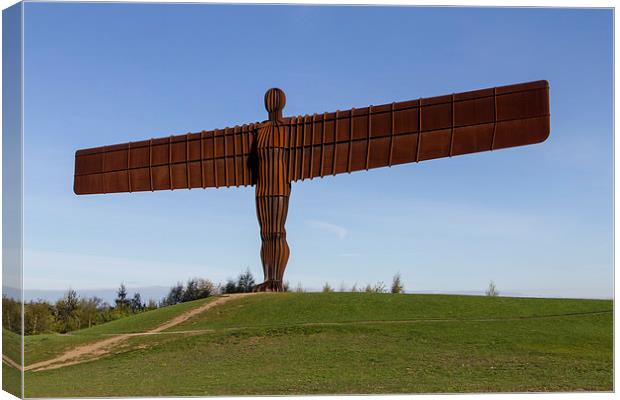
{"x": 10, "y": 362}
{"x": 94, "y": 350}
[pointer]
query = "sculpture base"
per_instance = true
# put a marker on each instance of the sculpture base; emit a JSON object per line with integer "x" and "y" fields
{"x": 269, "y": 286}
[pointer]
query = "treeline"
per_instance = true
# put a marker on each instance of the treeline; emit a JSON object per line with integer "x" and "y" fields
{"x": 72, "y": 312}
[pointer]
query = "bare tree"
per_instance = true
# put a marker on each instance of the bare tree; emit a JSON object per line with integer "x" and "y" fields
{"x": 492, "y": 290}
{"x": 206, "y": 288}
{"x": 151, "y": 304}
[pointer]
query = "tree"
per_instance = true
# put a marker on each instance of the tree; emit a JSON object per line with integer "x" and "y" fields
{"x": 397, "y": 285}
{"x": 135, "y": 304}
{"x": 87, "y": 311}
{"x": 11, "y": 314}
{"x": 299, "y": 288}
{"x": 175, "y": 295}
{"x": 342, "y": 288}
{"x": 66, "y": 307}
{"x": 106, "y": 313}
{"x": 38, "y": 318}
{"x": 197, "y": 289}
{"x": 206, "y": 288}
{"x": 286, "y": 287}
{"x": 327, "y": 288}
{"x": 122, "y": 303}
{"x": 245, "y": 283}
{"x": 492, "y": 290}
{"x": 354, "y": 287}
{"x": 191, "y": 290}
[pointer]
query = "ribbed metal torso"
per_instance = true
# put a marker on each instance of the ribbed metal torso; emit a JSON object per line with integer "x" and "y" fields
{"x": 272, "y": 193}
{"x": 272, "y": 173}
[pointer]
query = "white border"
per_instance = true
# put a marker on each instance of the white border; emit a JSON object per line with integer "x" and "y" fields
{"x": 480, "y": 3}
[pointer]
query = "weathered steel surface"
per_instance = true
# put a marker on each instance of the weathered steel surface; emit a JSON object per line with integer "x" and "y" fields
{"x": 222, "y": 157}
{"x": 281, "y": 150}
{"x": 273, "y": 189}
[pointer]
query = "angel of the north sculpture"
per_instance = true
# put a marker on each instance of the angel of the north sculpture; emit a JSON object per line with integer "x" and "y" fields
{"x": 280, "y": 150}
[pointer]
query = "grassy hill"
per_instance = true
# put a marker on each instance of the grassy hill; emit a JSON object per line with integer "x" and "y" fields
{"x": 11, "y": 348}
{"x": 42, "y": 347}
{"x": 296, "y": 343}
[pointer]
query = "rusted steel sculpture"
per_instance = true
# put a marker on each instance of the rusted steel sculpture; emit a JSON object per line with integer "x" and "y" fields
{"x": 281, "y": 150}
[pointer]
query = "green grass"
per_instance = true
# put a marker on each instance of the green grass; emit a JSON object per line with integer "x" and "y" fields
{"x": 11, "y": 380}
{"x": 42, "y": 347}
{"x": 295, "y": 308}
{"x": 358, "y": 343}
{"x": 11, "y": 345}
{"x": 11, "y": 377}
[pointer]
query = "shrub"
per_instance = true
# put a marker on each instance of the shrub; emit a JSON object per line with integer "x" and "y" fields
{"x": 397, "y": 285}
{"x": 379, "y": 288}
{"x": 229, "y": 287}
{"x": 245, "y": 282}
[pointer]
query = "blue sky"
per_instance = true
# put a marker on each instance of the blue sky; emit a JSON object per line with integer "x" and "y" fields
{"x": 537, "y": 220}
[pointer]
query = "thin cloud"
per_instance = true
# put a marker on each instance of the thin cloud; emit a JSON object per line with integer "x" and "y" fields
{"x": 340, "y": 231}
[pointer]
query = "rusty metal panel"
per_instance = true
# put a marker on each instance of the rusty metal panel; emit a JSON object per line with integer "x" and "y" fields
{"x": 204, "y": 159}
{"x": 424, "y": 129}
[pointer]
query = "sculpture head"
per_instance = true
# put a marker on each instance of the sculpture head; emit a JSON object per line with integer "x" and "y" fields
{"x": 275, "y": 100}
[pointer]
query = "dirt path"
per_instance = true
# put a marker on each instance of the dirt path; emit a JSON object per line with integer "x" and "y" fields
{"x": 95, "y": 350}
{"x": 11, "y": 362}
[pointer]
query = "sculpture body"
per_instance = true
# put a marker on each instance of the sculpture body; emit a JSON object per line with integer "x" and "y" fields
{"x": 281, "y": 150}
{"x": 272, "y": 193}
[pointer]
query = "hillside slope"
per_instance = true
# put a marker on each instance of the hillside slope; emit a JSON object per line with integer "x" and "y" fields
{"x": 294, "y": 343}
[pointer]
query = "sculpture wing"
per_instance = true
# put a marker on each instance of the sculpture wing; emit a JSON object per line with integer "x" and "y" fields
{"x": 221, "y": 157}
{"x": 418, "y": 130}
